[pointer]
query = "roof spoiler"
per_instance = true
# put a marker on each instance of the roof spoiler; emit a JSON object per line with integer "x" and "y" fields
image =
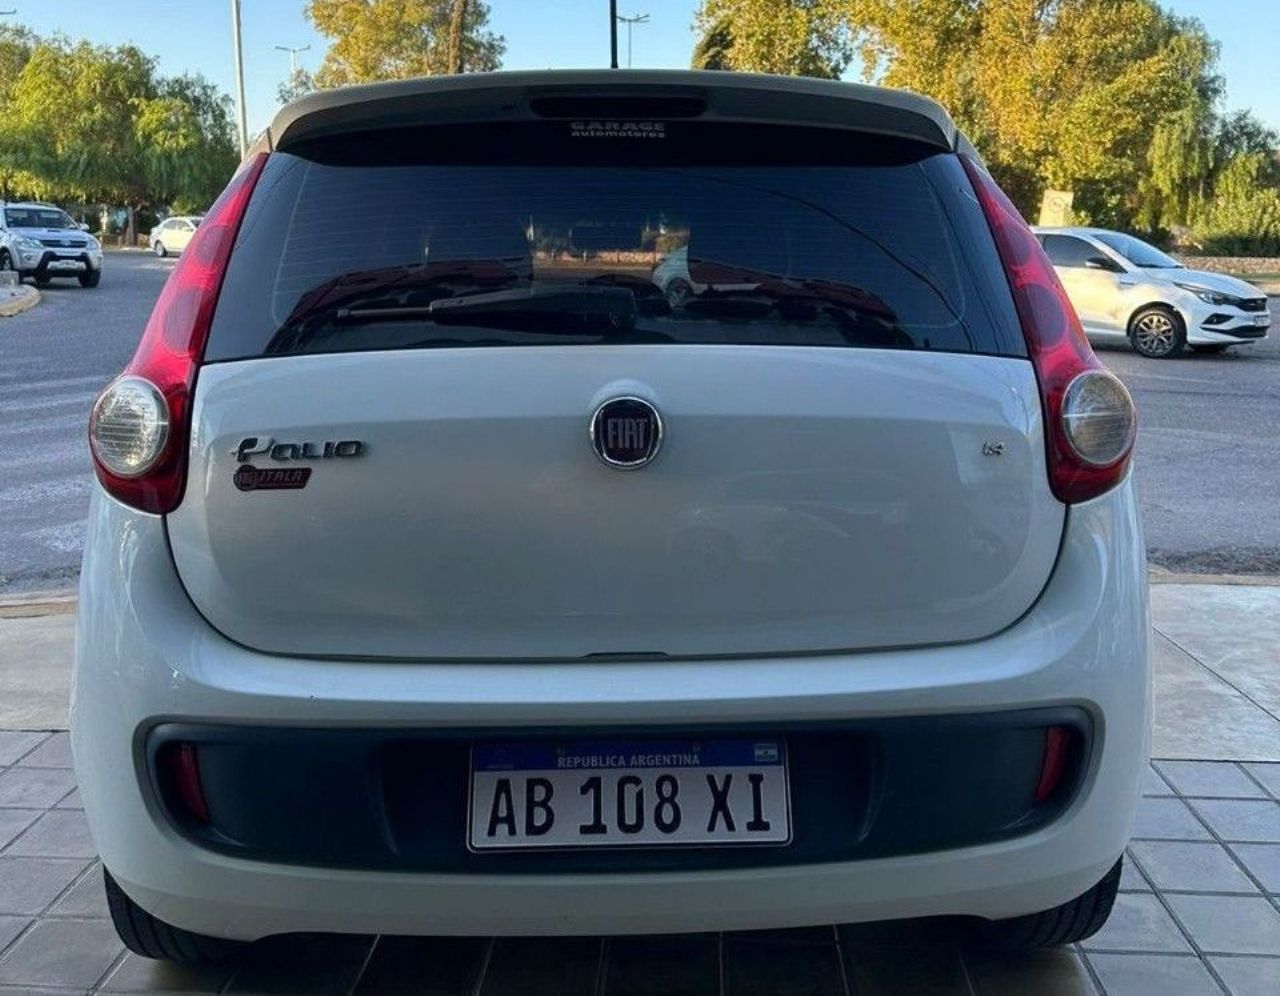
{"x": 626, "y": 94}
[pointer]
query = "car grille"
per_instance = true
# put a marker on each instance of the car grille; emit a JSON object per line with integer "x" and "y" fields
{"x": 64, "y": 243}
{"x": 1254, "y": 304}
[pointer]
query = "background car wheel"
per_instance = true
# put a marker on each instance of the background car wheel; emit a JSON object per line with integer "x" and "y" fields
{"x": 1065, "y": 924}
{"x": 1158, "y": 333}
{"x": 1214, "y": 347}
{"x": 678, "y": 292}
{"x": 6, "y": 261}
{"x": 159, "y": 249}
{"x": 91, "y": 279}
{"x": 143, "y": 934}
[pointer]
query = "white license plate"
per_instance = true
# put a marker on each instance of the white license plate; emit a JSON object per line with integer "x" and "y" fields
{"x": 629, "y": 794}
{"x": 65, "y": 264}
{"x": 1261, "y": 319}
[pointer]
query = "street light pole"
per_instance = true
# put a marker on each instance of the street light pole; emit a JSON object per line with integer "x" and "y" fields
{"x": 630, "y": 22}
{"x": 613, "y": 34}
{"x": 293, "y": 56}
{"x": 242, "y": 128}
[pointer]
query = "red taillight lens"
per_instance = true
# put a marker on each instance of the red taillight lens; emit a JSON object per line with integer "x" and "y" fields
{"x": 1059, "y": 352}
{"x": 169, "y": 355}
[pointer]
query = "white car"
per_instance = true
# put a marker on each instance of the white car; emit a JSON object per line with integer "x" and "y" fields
{"x": 462, "y": 585}
{"x": 1125, "y": 290}
{"x": 173, "y": 234}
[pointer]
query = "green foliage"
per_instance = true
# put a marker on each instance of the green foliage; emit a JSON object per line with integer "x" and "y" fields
{"x": 299, "y": 84}
{"x": 97, "y": 124}
{"x": 398, "y": 39}
{"x": 1115, "y": 101}
{"x": 792, "y": 37}
{"x": 713, "y": 47}
{"x": 1242, "y": 218}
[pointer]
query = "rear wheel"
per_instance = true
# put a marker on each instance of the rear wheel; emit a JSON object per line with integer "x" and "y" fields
{"x": 91, "y": 279}
{"x": 1157, "y": 332}
{"x": 1216, "y": 347}
{"x": 158, "y": 248}
{"x": 144, "y": 935}
{"x": 1074, "y": 921}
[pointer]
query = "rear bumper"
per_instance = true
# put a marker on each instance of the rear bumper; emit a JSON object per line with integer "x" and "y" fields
{"x": 144, "y": 657}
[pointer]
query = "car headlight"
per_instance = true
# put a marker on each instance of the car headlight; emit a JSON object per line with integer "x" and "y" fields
{"x": 1209, "y": 296}
{"x": 30, "y": 245}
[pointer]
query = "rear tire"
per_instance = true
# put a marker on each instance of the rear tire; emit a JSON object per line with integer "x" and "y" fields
{"x": 1074, "y": 921}
{"x": 158, "y": 248}
{"x": 1157, "y": 333}
{"x": 91, "y": 279}
{"x": 144, "y": 935}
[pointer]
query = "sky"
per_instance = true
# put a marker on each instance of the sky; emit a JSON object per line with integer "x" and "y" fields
{"x": 195, "y": 36}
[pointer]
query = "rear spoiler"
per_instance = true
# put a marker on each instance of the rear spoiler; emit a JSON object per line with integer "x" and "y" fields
{"x": 742, "y": 98}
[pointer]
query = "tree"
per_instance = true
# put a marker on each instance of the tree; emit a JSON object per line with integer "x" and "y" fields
{"x": 1069, "y": 94}
{"x": 97, "y": 124}
{"x": 16, "y": 44}
{"x": 299, "y": 84}
{"x": 713, "y": 47}
{"x": 792, "y": 37}
{"x": 398, "y": 39}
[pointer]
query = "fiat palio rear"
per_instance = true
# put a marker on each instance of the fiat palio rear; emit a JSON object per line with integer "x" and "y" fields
{"x": 610, "y": 502}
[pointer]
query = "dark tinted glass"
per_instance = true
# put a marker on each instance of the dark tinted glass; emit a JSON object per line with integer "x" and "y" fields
{"x": 37, "y": 218}
{"x": 1137, "y": 252}
{"x": 1067, "y": 250}
{"x": 390, "y": 246}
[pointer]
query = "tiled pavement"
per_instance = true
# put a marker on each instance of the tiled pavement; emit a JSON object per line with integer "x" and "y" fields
{"x": 1199, "y": 912}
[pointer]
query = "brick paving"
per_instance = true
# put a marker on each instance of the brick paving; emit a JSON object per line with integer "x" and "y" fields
{"x": 1199, "y": 912}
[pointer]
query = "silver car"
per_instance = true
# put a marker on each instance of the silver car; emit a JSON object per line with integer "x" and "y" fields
{"x": 1126, "y": 290}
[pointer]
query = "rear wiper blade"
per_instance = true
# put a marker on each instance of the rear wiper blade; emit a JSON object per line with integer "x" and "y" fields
{"x": 561, "y": 309}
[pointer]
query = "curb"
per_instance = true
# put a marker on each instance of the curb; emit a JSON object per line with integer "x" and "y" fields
{"x": 26, "y": 299}
{"x": 53, "y": 603}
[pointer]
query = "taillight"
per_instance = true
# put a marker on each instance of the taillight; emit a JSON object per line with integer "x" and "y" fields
{"x": 1088, "y": 415}
{"x": 140, "y": 425}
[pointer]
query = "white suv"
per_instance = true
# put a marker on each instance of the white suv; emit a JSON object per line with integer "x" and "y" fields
{"x": 42, "y": 242}
{"x": 465, "y": 584}
{"x": 1125, "y": 290}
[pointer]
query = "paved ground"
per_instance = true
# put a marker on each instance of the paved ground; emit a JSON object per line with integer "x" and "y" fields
{"x": 53, "y": 361}
{"x": 1199, "y": 913}
{"x": 1199, "y": 910}
{"x": 1207, "y": 460}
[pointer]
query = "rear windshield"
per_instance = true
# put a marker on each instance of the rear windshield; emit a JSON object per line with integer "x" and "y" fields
{"x": 393, "y": 247}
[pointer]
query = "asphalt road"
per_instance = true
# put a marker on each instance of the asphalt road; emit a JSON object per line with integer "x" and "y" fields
{"x": 1208, "y": 456}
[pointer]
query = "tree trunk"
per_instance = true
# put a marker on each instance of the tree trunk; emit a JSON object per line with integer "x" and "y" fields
{"x": 130, "y": 229}
{"x": 456, "y": 24}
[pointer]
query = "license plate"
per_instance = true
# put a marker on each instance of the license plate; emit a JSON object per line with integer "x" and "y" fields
{"x": 629, "y": 794}
{"x": 1261, "y": 319}
{"x": 65, "y": 264}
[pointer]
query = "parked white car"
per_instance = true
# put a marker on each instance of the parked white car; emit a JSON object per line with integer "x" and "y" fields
{"x": 481, "y": 591}
{"x": 173, "y": 234}
{"x": 1126, "y": 290}
{"x": 42, "y": 242}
